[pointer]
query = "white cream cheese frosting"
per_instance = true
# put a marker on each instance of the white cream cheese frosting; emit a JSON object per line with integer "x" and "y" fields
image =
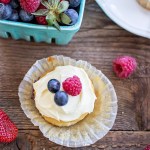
{"x": 76, "y": 106}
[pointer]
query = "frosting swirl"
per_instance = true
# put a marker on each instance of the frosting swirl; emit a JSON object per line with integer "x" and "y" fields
{"x": 76, "y": 106}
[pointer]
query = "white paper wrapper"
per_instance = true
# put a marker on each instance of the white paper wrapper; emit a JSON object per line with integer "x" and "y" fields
{"x": 145, "y": 3}
{"x": 92, "y": 128}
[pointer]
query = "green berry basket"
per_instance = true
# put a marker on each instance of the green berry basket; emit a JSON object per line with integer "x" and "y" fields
{"x": 40, "y": 33}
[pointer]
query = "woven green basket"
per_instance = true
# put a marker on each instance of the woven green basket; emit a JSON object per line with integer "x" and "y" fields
{"x": 40, "y": 33}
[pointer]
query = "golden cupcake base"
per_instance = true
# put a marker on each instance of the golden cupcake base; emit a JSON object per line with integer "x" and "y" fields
{"x": 63, "y": 123}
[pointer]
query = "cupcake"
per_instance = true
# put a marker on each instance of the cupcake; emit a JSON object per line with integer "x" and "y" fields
{"x": 145, "y": 3}
{"x": 74, "y": 104}
{"x": 65, "y": 95}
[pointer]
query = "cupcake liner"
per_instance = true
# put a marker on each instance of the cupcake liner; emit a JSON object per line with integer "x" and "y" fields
{"x": 86, "y": 132}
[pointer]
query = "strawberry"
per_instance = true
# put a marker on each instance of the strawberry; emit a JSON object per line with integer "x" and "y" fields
{"x": 30, "y": 6}
{"x": 41, "y": 19}
{"x": 8, "y": 131}
{"x": 52, "y": 12}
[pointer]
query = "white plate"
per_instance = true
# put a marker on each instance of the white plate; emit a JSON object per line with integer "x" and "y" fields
{"x": 128, "y": 14}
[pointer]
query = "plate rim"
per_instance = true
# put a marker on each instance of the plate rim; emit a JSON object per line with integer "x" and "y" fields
{"x": 120, "y": 22}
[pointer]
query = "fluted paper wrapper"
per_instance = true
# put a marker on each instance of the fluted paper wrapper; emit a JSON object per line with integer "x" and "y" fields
{"x": 86, "y": 132}
{"x": 145, "y": 3}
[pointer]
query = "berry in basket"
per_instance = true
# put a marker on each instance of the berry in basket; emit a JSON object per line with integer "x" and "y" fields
{"x": 45, "y": 12}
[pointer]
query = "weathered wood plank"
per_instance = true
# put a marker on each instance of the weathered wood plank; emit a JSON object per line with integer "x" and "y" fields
{"x": 94, "y": 17}
{"x": 33, "y": 139}
{"x": 99, "y": 54}
{"x": 143, "y": 103}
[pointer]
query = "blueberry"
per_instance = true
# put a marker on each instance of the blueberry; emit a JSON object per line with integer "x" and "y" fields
{"x": 61, "y": 98}
{"x": 2, "y": 8}
{"x": 53, "y": 85}
{"x": 5, "y": 11}
{"x": 14, "y": 16}
{"x": 74, "y": 3}
{"x": 14, "y": 4}
{"x": 73, "y": 15}
{"x": 25, "y": 16}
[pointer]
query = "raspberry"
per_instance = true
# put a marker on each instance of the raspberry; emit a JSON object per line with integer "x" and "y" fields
{"x": 72, "y": 86}
{"x": 5, "y": 1}
{"x": 147, "y": 148}
{"x": 30, "y": 6}
{"x": 124, "y": 66}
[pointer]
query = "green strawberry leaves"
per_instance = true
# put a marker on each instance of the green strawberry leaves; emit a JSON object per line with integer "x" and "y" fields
{"x": 63, "y": 5}
{"x": 65, "y": 19}
{"x": 54, "y": 3}
{"x": 46, "y": 4}
{"x": 41, "y": 12}
{"x": 52, "y": 21}
{"x": 54, "y": 12}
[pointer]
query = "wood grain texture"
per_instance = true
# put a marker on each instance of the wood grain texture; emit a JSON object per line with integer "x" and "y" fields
{"x": 143, "y": 104}
{"x": 99, "y": 41}
{"x": 118, "y": 140}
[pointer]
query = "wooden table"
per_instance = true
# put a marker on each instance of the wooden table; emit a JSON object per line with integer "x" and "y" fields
{"x": 98, "y": 42}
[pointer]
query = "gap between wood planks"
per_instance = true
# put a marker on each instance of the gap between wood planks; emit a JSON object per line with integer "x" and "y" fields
{"x": 114, "y": 140}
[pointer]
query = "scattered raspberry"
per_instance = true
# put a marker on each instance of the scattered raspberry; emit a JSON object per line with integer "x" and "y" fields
{"x": 5, "y": 1}
{"x": 8, "y": 131}
{"x": 147, "y": 148}
{"x": 124, "y": 66}
{"x": 30, "y": 6}
{"x": 72, "y": 86}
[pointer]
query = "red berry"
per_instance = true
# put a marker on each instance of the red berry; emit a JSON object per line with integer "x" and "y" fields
{"x": 41, "y": 19}
{"x": 30, "y": 6}
{"x": 72, "y": 86}
{"x": 5, "y": 1}
{"x": 8, "y": 131}
{"x": 147, "y": 148}
{"x": 124, "y": 66}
